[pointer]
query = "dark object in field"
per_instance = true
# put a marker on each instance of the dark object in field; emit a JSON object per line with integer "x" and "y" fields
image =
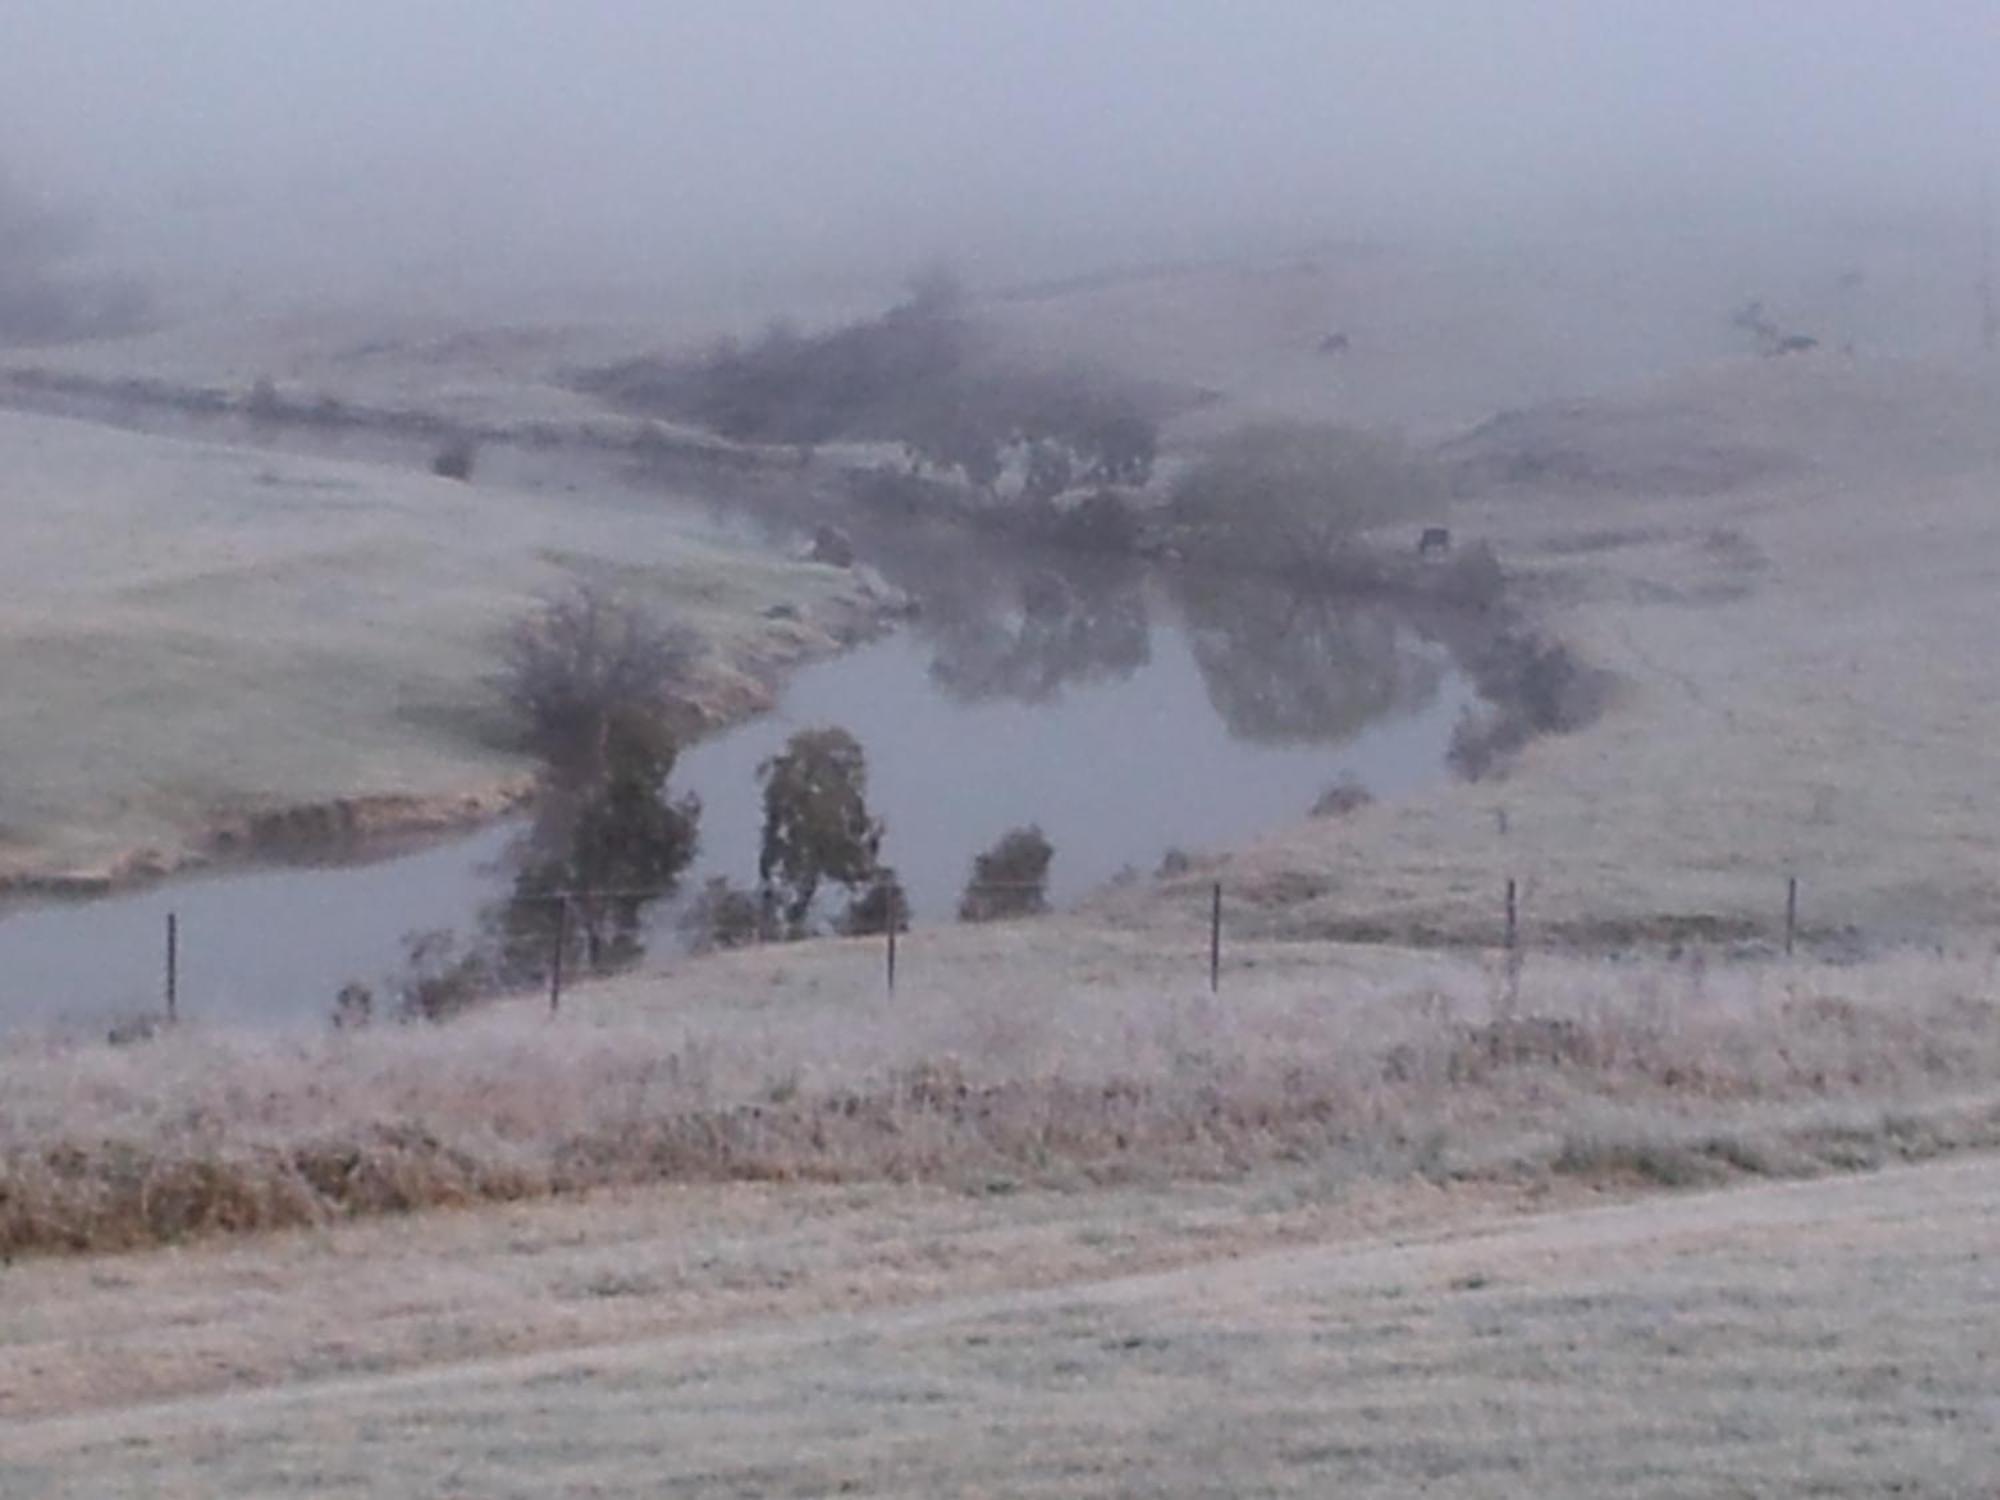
{"x": 353, "y": 1007}
{"x": 1345, "y": 796}
{"x": 833, "y": 547}
{"x": 134, "y": 1030}
{"x": 1772, "y": 340}
{"x": 1434, "y": 539}
{"x": 1011, "y": 879}
{"x": 455, "y": 460}
{"x": 1333, "y": 343}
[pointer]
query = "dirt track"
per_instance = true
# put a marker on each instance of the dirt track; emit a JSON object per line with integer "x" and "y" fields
{"x": 1828, "y": 1338}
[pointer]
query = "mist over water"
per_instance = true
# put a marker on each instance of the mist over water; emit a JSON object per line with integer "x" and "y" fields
{"x": 714, "y": 161}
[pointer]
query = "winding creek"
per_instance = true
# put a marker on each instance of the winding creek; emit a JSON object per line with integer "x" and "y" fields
{"x": 1126, "y": 712}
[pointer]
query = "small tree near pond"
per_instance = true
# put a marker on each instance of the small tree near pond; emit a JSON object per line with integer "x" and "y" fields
{"x": 597, "y": 683}
{"x": 611, "y": 848}
{"x": 817, "y": 826}
{"x": 1009, "y": 880}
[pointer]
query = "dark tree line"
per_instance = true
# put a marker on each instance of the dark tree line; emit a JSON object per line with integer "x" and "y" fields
{"x": 920, "y": 375}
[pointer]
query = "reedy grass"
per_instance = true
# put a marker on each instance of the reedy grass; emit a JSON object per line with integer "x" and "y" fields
{"x": 1656, "y": 1073}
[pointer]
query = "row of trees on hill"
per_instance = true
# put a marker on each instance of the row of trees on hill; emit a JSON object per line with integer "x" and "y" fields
{"x": 920, "y": 376}
{"x": 1065, "y": 455}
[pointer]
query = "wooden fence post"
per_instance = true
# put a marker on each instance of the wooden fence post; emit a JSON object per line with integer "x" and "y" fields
{"x": 1215, "y": 939}
{"x": 895, "y": 920}
{"x": 173, "y": 967}
{"x": 1791, "y": 913}
{"x": 1513, "y": 946}
{"x": 556, "y": 962}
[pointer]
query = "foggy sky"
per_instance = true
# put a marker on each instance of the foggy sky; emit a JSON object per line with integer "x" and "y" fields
{"x": 1015, "y": 136}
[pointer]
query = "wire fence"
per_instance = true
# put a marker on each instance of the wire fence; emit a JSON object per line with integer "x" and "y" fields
{"x": 893, "y": 918}
{"x": 576, "y": 910}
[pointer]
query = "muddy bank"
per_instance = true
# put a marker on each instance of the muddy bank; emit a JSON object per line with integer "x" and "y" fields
{"x": 356, "y": 828}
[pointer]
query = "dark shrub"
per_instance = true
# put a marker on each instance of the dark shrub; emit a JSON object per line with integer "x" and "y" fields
{"x": 1009, "y": 880}
{"x": 1532, "y": 686}
{"x": 881, "y": 904}
{"x": 455, "y": 460}
{"x": 353, "y": 1007}
{"x": 817, "y": 826}
{"x": 440, "y": 980}
{"x": 723, "y": 916}
{"x": 1343, "y": 797}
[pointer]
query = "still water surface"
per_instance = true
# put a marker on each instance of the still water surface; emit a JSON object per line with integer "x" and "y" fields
{"x": 1124, "y": 713}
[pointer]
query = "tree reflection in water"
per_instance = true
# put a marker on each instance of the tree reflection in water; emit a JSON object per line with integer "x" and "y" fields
{"x": 1281, "y": 665}
{"x": 1291, "y": 666}
{"x": 1027, "y": 633}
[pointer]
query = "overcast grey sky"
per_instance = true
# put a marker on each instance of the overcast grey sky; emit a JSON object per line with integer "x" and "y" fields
{"x": 1011, "y": 134}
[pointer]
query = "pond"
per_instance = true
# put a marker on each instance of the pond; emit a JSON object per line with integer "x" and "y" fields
{"x": 1124, "y": 712}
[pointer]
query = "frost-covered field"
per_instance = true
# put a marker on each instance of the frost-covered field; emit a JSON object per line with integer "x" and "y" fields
{"x": 194, "y": 632}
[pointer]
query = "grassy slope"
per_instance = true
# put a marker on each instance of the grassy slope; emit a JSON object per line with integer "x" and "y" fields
{"x": 194, "y": 631}
{"x": 1790, "y": 564}
{"x": 1828, "y": 1338}
{"x": 1806, "y": 684}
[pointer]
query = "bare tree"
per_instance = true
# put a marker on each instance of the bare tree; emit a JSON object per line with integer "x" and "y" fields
{"x": 584, "y": 658}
